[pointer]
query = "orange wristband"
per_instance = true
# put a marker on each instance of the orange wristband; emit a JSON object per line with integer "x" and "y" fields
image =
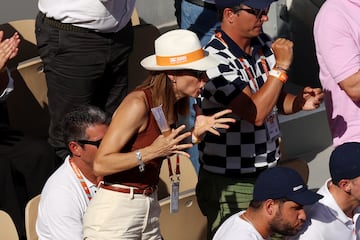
{"x": 282, "y": 76}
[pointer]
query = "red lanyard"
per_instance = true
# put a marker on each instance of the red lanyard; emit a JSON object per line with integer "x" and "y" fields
{"x": 177, "y": 169}
{"x": 249, "y": 73}
{"x": 245, "y": 64}
{"x": 218, "y": 35}
{"x": 81, "y": 178}
{"x": 263, "y": 62}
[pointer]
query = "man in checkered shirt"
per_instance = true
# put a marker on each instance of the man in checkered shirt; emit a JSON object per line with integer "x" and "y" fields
{"x": 249, "y": 80}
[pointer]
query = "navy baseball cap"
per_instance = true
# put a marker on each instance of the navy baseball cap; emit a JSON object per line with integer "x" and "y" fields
{"x": 283, "y": 182}
{"x": 345, "y": 162}
{"x": 258, "y": 4}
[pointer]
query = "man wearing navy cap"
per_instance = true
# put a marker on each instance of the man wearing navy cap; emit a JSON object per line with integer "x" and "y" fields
{"x": 335, "y": 216}
{"x": 249, "y": 80}
{"x": 277, "y": 207}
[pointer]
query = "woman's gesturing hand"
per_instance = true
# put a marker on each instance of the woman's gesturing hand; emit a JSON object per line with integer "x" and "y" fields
{"x": 212, "y": 123}
{"x": 170, "y": 143}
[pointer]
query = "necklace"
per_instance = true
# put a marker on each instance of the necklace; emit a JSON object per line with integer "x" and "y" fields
{"x": 246, "y": 219}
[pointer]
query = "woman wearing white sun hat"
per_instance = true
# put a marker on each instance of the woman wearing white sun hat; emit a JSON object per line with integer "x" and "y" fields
{"x": 132, "y": 151}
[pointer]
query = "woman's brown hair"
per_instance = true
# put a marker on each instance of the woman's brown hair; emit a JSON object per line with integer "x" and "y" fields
{"x": 162, "y": 93}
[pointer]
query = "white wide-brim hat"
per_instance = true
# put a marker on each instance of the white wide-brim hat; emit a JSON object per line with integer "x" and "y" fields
{"x": 179, "y": 49}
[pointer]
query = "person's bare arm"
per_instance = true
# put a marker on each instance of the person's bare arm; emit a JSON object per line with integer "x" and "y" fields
{"x": 351, "y": 86}
{"x": 131, "y": 118}
{"x": 255, "y": 107}
{"x": 308, "y": 99}
{"x": 8, "y": 49}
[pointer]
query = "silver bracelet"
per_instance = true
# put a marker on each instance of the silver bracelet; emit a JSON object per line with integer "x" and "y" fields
{"x": 281, "y": 68}
{"x": 140, "y": 161}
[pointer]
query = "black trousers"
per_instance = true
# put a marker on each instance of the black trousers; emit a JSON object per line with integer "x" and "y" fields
{"x": 82, "y": 67}
{"x": 25, "y": 165}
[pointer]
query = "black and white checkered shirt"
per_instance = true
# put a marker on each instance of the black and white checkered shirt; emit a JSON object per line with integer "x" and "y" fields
{"x": 244, "y": 147}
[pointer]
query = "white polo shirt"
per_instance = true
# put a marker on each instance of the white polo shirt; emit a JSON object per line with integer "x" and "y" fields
{"x": 99, "y": 15}
{"x": 235, "y": 228}
{"x": 326, "y": 221}
{"x": 62, "y": 205}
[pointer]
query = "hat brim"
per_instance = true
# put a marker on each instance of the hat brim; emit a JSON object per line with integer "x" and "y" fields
{"x": 208, "y": 62}
{"x": 258, "y": 4}
{"x": 306, "y": 197}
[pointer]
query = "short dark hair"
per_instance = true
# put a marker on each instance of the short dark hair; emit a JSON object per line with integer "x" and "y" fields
{"x": 220, "y": 12}
{"x": 78, "y": 120}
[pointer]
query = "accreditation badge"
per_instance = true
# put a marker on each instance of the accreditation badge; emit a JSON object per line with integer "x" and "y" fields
{"x": 272, "y": 126}
{"x": 174, "y": 197}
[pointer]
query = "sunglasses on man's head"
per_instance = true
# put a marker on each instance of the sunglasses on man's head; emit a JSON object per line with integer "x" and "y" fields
{"x": 254, "y": 11}
{"x": 94, "y": 143}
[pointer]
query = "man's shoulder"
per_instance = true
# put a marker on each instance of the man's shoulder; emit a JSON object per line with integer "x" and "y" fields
{"x": 61, "y": 193}
{"x": 234, "y": 227}
{"x": 220, "y": 50}
{"x": 215, "y": 45}
{"x": 60, "y": 181}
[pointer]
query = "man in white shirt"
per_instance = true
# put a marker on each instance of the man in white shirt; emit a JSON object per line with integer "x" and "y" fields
{"x": 85, "y": 46}
{"x": 336, "y": 215}
{"x": 68, "y": 191}
{"x": 277, "y": 207}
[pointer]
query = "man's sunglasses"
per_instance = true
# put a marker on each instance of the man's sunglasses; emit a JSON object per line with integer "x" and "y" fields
{"x": 94, "y": 143}
{"x": 254, "y": 11}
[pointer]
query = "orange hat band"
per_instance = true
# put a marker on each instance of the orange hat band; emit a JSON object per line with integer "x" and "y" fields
{"x": 180, "y": 59}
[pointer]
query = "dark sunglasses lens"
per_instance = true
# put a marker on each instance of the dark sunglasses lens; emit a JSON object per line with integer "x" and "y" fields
{"x": 201, "y": 75}
{"x": 196, "y": 74}
{"x": 94, "y": 143}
